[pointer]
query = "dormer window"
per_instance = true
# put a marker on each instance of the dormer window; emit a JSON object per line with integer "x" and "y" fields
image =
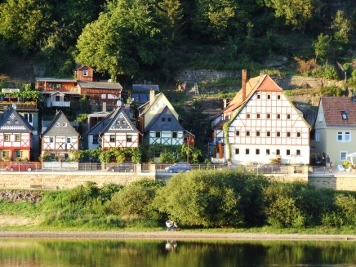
{"x": 344, "y": 115}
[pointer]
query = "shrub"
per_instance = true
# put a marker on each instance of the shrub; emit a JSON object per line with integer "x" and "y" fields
{"x": 305, "y": 66}
{"x": 210, "y": 199}
{"x": 325, "y": 71}
{"x": 346, "y": 207}
{"x": 167, "y": 157}
{"x": 134, "y": 200}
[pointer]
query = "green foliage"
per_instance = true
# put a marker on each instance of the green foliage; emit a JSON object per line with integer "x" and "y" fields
{"x": 296, "y": 13}
{"x": 322, "y": 46}
{"x": 325, "y": 71}
{"x": 167, "y": 157}
{"x": 332, "y": 91}
{"x": 81, "y": 206}
{"x": 346, "y": 208}
{"x": 134, "y": 200}
{"x": 209, "y": 199}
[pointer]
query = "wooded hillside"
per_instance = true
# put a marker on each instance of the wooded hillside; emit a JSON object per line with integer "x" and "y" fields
{"x": 153, "y": 39}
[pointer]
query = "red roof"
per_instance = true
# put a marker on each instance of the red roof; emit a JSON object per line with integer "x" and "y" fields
{"x": 339, "y": 111}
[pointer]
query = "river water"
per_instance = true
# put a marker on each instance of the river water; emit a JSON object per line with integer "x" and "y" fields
{"x": 142, "y": 253}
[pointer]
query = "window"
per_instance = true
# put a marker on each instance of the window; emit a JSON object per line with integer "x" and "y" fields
{"x": 57, "y": 124}
{"x": 258, "y": 96}
{"x": 58, "y": 98}
{"x": 248, "y": 115}
{"x": 158, "y": 134}
{"x": 5, "y": 154}
{"x": 17, "y": 137}
{"x": 343, "y": 155}
{"x": 268, "y": 116}
{"x": 169, "y": 119}
{"x": 163, "y": 119}
{"x": 288, "y": 152}
{"x": 258, "y": 115}
{"x": 174, "y": 134}
{"x": 298, "y": 134}
{"x": 344, "y": 115}
{"x": 18, "y": 154}
{"x": 64, "y": 124}
{"x": 51, "y": 139}
{"x": 247, "y": 151}
{"x": 268, "y": 133}
{"x": 344, "y": 136}
{"x": 278, "y": 152}
{"x": 112, "y": 138}
{"x": 298, "y": 152}
{"x": 288, "y": 134}
{"x": 268, "y": 151}
{"x": 237, "y": 133}
{"x": 278, "y": 97}
{"x": 95, "y": 139}
{"x": 268, "y": 96}
{"x": 8, "y": 122}
{"x": 288, "y": 116}
{"x": 247, "y": 133}
{"x": 6, "y": 137}
{"x": 28, "y": 117}
{"x": 278, "y": 116}
{"x": 257, "y": 151}
{"x": 68, "y": 140}
{"x": 278, "y": 134}
{"x": 16, "y": 122}
{"x": 237, "y": 151}
{"x": 317, "y": 136}
{"x": 258, "y": 133}
{"x": 85, "y": 73}
{"x": 118, "y": 122}
{"x": 129, "y": 138}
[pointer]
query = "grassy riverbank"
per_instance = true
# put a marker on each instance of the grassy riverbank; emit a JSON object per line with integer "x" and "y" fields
{"x": 199, "y": 202}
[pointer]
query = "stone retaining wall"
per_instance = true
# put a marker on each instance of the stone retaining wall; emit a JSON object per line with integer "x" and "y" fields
{"x": 66, "y": 180}
{"x": 339, "y": 182}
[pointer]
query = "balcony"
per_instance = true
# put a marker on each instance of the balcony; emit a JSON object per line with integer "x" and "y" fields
{"x": 21, "y": 106}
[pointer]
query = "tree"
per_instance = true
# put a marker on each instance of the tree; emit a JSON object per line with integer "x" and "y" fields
{"x": 342, "y": 29}
{"x": 124, "y": 37}
{"x": 322, "y": 46}
{"x": 296, "y": 12}
{"x": 215, "y": 17}
{"x": 25, "y": 23}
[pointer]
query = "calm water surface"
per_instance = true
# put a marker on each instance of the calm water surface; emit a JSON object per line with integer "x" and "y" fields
{"x": 65, "y": 253}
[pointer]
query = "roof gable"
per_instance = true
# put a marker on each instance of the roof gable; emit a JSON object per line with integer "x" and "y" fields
{"x": 60, "y": 126}
{"x": 119, "y": 122}
{"x": 12, "y": 121}
{"x": 164, "y": 121}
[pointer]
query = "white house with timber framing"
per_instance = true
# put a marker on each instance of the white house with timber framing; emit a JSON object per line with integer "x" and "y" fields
{"x": 260, "y": 124}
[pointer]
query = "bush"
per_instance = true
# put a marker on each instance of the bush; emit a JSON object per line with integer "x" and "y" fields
{"x": 134, "y": 200}
{"x": 346, "y": 207}
{"x": 211, "y": 199}
{"x": 325, "y": 71}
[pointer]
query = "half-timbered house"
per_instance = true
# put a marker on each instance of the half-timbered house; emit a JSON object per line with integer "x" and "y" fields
{"x": 15, "y": 136}
{"x": 116, "y": 130}
{"x": 261, "y": 124}
{"x": 59, "y": 137}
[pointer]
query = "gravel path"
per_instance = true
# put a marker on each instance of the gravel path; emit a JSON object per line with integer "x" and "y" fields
{"x": 175, "y": 235}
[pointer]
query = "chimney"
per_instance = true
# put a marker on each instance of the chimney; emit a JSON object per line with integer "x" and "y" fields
{"x": 243, "y": 84}
{"x": 152, "y": 96}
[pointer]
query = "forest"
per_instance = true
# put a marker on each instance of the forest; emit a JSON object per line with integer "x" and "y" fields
{"x": 154, "y": 39}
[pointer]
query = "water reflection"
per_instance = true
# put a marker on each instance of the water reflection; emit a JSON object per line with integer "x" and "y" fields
{"x": 45, "y": 252}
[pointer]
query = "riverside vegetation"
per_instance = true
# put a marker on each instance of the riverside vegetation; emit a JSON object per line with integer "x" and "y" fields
{"x": 229, "y": 200}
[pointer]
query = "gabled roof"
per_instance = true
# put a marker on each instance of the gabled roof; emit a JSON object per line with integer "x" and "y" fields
{"x": 257, "y": 84}
{"x": 57, "y": 80}
{"x": 161, "y": 122}
{"x": 60, "y": 126}
{"x": 339, "y": 111}
{"x": 100, "y": 85}
{"x": 145, "y": 107}
{"x": 12, "y": 121}
{"x": 116, "y": 121}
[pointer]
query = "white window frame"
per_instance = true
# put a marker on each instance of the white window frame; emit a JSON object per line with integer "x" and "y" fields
{"x": 343, "y": 136}
{"x": 341, "y": 155}
{"x": 317, "y": 136}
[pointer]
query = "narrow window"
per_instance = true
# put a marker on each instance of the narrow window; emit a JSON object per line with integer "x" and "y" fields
{"x": 258, "y": 133}
{"x": 278, "y": 116}
{"x": 288, "y": 116}
{"x": 298, "y": 134}
{"x": 278, "y": 134}
{"x": 163, "y": 119}
{"x": 257, "y": 151}
{"x": 95, "y": 139}
{"x": 237, "y": 151}
{"x": 169, "y": 119}
{"x": 268, "y": 133}
{"x": 268, "y": 96}
{"x": 7, "y": 137}
{"x": 248, "y": 115}
{"x": 278, "y": 152}
{"x": 68, "y": 140}
{"x": 248, "y": 133}
{"x": 64, "y": 124}
{"x": 51, "y": 139}
{"x": 247, "y": 151}
{"x": 258, "y": 116}
{"x": 174, "y": 134}
{"x": 298, "y": 152}
{"x": 237, "y": 133}
{"x": 288, "y": 152}
{"x": 268, "y": 116}
{"x": 17, "y": 138}
{"x": 347, "y": 137}
{"x": 288, "y": 134}
{"x": 278, "y": 97}
{"x": 258, "y": 96}
{"x": 129, "y": 138}
{"x": 112, "y": 138}
{"x": 267, "y": 152}
{"x": 158, "y": 134}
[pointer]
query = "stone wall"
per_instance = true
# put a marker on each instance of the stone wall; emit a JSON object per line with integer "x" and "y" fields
{"x": 340, "y": 182}
{"x": 66, "y": 180}
{"x": 193, "y": 76}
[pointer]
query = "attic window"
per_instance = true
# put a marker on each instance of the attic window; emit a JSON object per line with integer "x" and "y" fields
{"x": 64, "y": 124}
{"x": 85, "y": 73}
{"x": 344, "y": 115}
{"x": 57, "y": 124}
{"x": 258, "y": 96}
{"x": 163, "y": 119}
{"x": 169, "y": 119}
